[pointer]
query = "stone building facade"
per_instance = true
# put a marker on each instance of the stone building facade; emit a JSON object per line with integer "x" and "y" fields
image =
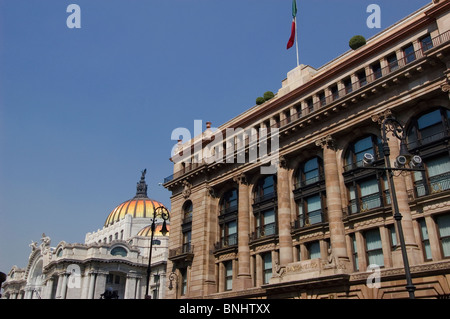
{"x": 278, "y": 201}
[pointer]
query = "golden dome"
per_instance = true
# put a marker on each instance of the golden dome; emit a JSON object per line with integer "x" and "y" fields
{"x": 147, "y": 231}
{"x": 140, "y": 206}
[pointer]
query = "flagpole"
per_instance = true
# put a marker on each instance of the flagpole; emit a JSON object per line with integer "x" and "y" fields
{"x": 296, "y": 39}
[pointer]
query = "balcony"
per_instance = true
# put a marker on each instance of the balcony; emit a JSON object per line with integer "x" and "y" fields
{"x": 264, "y": 231}
{"x": 312, "y": 218}
{"x": 434, "y": 185}
{"x": 227, "y": 242}
{"x": 265, "y": 197}
{"x": 368, "y": 202}
{"x": 182, "y": 253}
{"x": 414, "y": 143}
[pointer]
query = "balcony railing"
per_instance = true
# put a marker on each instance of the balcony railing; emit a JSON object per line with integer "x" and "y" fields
{"x": 227, "y": 241}
{"x": 425, "y": 140}
{"x": 310, "y": 181}
{"x": 264, "y": 231}
{"x": 366, "y": 203}
{"x": 186, "y": 251}
{"x": 262, "y": 198}
{"x": 433, "y": 185}
{"x": 227, "y": 210}
{"x": 309, "y": 219}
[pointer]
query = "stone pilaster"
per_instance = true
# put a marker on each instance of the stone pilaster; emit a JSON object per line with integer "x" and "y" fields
{"x": 244, "y": 279}
{"x": 334, "y": 204}
{"x": 284, "y": 214}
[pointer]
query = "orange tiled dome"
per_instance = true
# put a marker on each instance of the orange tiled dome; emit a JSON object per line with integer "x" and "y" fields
{"x": 140, "y": 206}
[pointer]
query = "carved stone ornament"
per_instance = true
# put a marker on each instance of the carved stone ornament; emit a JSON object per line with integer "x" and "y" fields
{"x": 445, "y": 87}
{"x": 211, "y": 191}
{"x": 186, "y": 189}
{"x": 378, "y": 118}
{"x": 326, "y": 141}
{"x": 240, "y": 179}
{"x": 283, "y": 162}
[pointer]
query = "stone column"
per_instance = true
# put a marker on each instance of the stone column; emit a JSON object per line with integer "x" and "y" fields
{"x": 130, "y": 287}
{"x": 64, "y": 285}
{"x": 100, "y": 284}
{"x": 334, "y": 203}
{"x": 284, "y": 214}
{"x": 138, "y": 288}
{"x": 244, "y": 279}
{"x": 92, "y": 277}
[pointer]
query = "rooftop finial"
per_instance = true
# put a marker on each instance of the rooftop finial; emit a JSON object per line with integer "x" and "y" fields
{"x": 141, "y": 188}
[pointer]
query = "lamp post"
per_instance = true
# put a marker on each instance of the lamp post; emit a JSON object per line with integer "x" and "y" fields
{"x": 390, "y": 124}
{"x": 164, "y": 214}
{"x": 173, "y": 276}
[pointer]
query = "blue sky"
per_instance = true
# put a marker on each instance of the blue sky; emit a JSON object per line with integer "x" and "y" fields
{"x": 83, "y": 111}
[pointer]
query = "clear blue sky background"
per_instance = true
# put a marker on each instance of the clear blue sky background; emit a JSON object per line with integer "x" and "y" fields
{"x": 83, "y": 111}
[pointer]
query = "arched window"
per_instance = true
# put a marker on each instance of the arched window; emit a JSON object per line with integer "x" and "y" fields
{"x": 425, "y": 133}
{"x": 229, "y": 201}
{"x": 310, "y": 172}
{"x": 265, "y": 207}
{"x": 355, "y": 153}
{"x": 367, "y": 189}
{"x": 429, "y": 128}
{"x": 310, "y": 193}
{"x": 228, "y": 219}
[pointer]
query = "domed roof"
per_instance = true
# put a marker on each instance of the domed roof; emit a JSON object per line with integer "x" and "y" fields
{"x": 147, "y": 231}
{"x": 140, "y": 206}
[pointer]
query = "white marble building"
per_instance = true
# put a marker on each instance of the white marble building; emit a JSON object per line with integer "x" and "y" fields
{"x": 113, "y": 259}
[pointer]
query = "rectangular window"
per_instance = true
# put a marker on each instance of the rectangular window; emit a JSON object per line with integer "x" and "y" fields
{"x": 334, "y": 92}
{"x": 392, "y": 62}
{"x": 229, "y": 275}
{"x": 183, "y": 273}
{"x": 354, "y": 252}
{"x": 443, "y": 223}
{"x": 376, "y": 70}
{"x": 438, "y": 173}
{"x": 370, "y": 194}
{"x": 314, "y": 207}
{"x": 267, "y": 260}
{"x": 362, "y": 79}
{"x": 425, "y": 239}
{"x": 426, "y": 43}
{"x": 269, "y": 222}
{"x": 314, "y": 249}
{"x": 187, "y": 241}
{"x": 393, "y": 235}
{"x": 409, "y": 54}
{"x": 374, "y": 248}
{"x": 348, "y": 85}
{"x": 310, "y": 105}
{"x": 322, "y": 99}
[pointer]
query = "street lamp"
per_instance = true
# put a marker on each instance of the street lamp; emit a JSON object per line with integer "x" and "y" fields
{"x": 164, "y": 214}
{"x": 173, "y": 276}
{"x": 389, "y": 124}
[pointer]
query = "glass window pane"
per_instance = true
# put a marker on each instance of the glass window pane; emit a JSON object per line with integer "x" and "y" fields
{"x": 425, "y": 239}
{"x": 269, "y": 217}
{"x": 374, "y": 247}
{"x": 314, "y": 250}
{"x": 429, "y": 119}
{"x": 232, "y": 227}
{"x": 369, "y": 187}
{"x": 438, "y": 166}
{"x": 444, "y": 232}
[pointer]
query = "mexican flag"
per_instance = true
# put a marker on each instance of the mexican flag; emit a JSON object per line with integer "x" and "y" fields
{"x": 294, "y": 14}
